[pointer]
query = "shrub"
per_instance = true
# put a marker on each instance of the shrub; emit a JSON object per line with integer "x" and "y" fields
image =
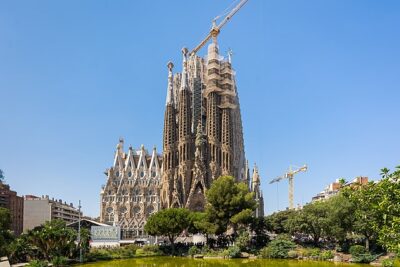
{"x": 364, "y": 258}
{"x": 131, "y": 248}
{"x": 165, "y": 249}
{"x": 265, "y": 253}
{"x": 387, "y": 263}
{"x": 326, "y": 255}
{"x": 293, "y": 254}
{"x": 243, "y": 241}
{"x": 357, "y": 250}
{"x": 38, "y": 263}
{"x": 119, "y": 252}
{"x": 151, "y": 250}
{"x": 302, "y": 252}
{"x": 98, "y": 255}
{"x": 314, "y": 252}
{"x": 58, "y": 261}
{"x": 20, "y": 250}
{"x": 233, "y": 252}
{"x": 206, "y": 250}
{"x": 193, "y": 250}
{"x": 125, "y": 252}
{"x": 278, "y": 248}
{"x": 360, "y": 255}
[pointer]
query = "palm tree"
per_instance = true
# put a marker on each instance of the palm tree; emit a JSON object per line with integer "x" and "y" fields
{"x": 385, "y": 172}
{"x": 342, "y": 182}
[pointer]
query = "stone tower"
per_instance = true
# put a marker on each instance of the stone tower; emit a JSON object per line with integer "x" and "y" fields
{"x": 258, "y": 194}
{"x": 203, "y": 136}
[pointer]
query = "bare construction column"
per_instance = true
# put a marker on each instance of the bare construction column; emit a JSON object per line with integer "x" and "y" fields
{"x": 169, "y": 147}
{"x": 185, "y": 135}
{"x": 213, "y": 112}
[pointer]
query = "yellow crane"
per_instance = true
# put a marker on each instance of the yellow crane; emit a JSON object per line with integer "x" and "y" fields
{"x": 290, "y": 175}
{"x": 215, "y": 30}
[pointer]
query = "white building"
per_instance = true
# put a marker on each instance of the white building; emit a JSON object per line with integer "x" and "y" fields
{"x": 38, "y": 210}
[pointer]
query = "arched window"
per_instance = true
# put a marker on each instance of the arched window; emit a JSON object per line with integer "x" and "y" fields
{"x": 149, "y": 210}
{"x": 122, "y": 212}
{"x": 136, "y": 211}
{"x": 110, "y": 217}
{"x": 110, "y": 214}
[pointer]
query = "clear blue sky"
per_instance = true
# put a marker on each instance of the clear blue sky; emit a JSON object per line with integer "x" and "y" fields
{"x": 319, "y": 83}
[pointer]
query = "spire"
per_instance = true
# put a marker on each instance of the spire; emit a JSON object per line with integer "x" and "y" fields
{"x": 230, "y": 53}
{"x": 170, "y": 89}
{"x": 195, "y": 67}
{"x": 247, "y": 173}
{"x": 184, "y": 83}
{"x": 154, "y": 158}
{"x": 256, "y": 177}
{"x": 120, "y": 145}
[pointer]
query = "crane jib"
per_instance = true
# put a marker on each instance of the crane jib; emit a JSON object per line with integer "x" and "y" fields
{"x": 216, "y": 29}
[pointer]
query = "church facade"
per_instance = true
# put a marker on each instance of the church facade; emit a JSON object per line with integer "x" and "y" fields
{"x": 132, "y": 190}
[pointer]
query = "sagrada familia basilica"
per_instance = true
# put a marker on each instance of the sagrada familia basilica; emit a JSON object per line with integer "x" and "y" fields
{"x": 203, "y": 136}
{"x": 202, "y": 140}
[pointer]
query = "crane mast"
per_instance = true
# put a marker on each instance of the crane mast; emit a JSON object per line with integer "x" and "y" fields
{"x": 290, "y": 176}
{"x": 215, "y": 30}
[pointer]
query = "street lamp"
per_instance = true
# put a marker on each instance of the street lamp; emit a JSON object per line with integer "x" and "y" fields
{"x": 79, "y": 233}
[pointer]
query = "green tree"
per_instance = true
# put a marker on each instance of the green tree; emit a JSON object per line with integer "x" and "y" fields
{"x": 20, "y": 250}
{"x": 277, "y": 222}
{"x": 169, "y": 223}
{"x": 388, "y": 206}
{"x": 342, "y": 182}
{"x": 5, "y": 234}
{"x": 340, "y": 217}
{"x": 366, "y": 215}
{"x": 258, "y": 227}
{"x": 377, "y": 210}
{"x": 85, "y": 241}
{"x": 243, "y": 218}
{"x": 228, "y": 204}
{"x": 243, "y": 241}
{"x": 278, "y": 248}
{"x": 384, "y": 172}
{"x": 53, "y": 239}
{"x": 200, "y": 223}
{"x": 1, "y": 175}
{"x": 312, "y": 220}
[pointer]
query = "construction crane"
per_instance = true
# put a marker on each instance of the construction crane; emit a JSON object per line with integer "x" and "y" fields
{"x": 290, "y": 175}
{"x": 215, "y": 30}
